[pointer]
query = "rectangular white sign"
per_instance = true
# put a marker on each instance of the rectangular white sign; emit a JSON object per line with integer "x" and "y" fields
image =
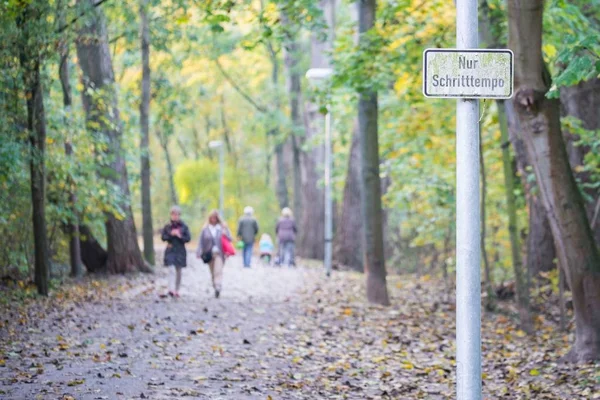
{"x": 477, "y": 73}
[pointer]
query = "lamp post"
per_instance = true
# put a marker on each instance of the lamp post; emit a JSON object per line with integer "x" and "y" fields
{"x": 214, "y": 145}
{"x": 315, "y": 76}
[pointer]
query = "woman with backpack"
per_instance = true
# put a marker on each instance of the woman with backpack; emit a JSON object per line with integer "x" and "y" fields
{"x": 213, "y": 246}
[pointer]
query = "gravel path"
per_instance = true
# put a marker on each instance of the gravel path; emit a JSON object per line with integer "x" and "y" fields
{"x": 138, "y": 345}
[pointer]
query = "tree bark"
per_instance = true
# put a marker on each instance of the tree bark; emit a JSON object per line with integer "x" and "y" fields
{"x": 93, "y": 255}
{"x": 72, "y": 227}
{"x": 349, "y": 246}
{"x": 164, "y": 144}
{"x": 313, "y": 159}
{"x": 540, "y": 122}
{"x": 291, "y": 61}
{"x": 281, "y": 175}
{"x": 520, "y": 275}
{"x": 490, "y": 299}
{"x": 582, "y": 101}
{"x": 349, "y": 233}
{"x": 102, "y": 112}
{"x": 540, "y": 252}
{"x": 540, "y": 247}
{"x": 147, "y": 229}
{"x": 36, "y": 126}
{"x": 374, "y": 264}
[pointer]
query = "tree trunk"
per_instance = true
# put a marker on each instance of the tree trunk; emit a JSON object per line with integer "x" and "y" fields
{"x": 374, "y": 264}
{"x": 282, "y": 192}
{"x": 101, "y": 107}
{"x": 291, "y": 61}
{"x": 36, "y": 126}
{"x": 164, "y": 144}
{"x": 582, "y": 101}
{"x": 313, "y": 159}
{"x": 92, "y": 254}
{"x": 540, "y": 122}
{"x": 147, "y": 229}
{"x": 281, "y": 176}
{"x": 349, "y": 233}
{"x": 349, "y": 246}
{"x": 72, "y": 227}
{"x": 540, "y": 247}
{"x": 540, "y": 252}
{"x": 509, "y": 188}
{"x": 490, "y": 299}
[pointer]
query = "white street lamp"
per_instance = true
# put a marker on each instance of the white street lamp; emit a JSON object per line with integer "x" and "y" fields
{"x": 317, "y": 75}
{"x": 218, "y": 144}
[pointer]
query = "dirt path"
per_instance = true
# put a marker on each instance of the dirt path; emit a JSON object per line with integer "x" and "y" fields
{"x": 140, "y": 346}
{"x": 274, "y": 334}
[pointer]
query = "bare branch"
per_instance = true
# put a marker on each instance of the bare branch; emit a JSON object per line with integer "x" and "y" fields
{"x": 64, "y": 27}
{"x": 239, "y": 89}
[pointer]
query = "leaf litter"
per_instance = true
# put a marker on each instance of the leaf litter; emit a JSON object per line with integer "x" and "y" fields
{"x": 311, "y": 338}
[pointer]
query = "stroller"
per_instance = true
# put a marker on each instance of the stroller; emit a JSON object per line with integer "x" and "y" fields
{"x": 266, "y": 248}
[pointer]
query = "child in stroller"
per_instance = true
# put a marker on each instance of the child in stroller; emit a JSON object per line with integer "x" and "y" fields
{"x": 266, "y": 247}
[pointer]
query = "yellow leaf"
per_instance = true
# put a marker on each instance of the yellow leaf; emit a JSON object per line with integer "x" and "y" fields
{"x": 297, "y": 360}
{"x": 348, "y": 311}
{"x": 520, "y": 333}
{"x": 407, "y": 365}
{"x": 76, "y": 382}
{"x": 534, "y": 372}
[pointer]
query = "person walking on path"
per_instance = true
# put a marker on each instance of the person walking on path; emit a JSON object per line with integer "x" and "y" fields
{"x": 286, "y": 236}
{"x": 176, "y": 234}
{"x": 247, "y": 231}
{"x": 210, "y": 248}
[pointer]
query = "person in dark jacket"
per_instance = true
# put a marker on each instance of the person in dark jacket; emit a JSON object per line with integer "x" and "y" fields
{"x": 176, "y": 234}
{"x": 286, "y": 236}
{"x": 247, "y": 231}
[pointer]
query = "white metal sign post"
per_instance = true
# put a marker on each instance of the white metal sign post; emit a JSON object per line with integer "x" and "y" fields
{"x": 467, "y": 73}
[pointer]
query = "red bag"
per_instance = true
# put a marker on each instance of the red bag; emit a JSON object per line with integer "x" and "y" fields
{"x": 228, "y": 248}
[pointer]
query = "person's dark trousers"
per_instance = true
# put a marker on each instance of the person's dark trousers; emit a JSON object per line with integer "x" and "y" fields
{"x": 248, "y": 247}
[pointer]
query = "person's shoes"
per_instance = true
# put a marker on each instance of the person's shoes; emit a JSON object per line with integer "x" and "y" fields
{"x": 172, "y": 294}
{"x": 217, "y": 293}
{"x": 176, "y": 295}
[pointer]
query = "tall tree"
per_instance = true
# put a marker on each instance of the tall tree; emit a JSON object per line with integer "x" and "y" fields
{"x": 30, "y": 24}
{"x": 540, "y": 129}
{"x": 313, "y": 159}
{"x": 582, "y": 101}
{"x": 147, "y": 230}
{"x": 540, "y": 251}
{"x": 374, "y": 265}
{"x": 487, "y": 38}
{"x": 281, "y": 189}
{"x": 291, "y": 62}
{"x": 163, "y": 140}
{"x": 72, "y": 226}
{"x": 102, "y": 112}
{"x": 349, "y": 235}
{"x": 348, "y": 248}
